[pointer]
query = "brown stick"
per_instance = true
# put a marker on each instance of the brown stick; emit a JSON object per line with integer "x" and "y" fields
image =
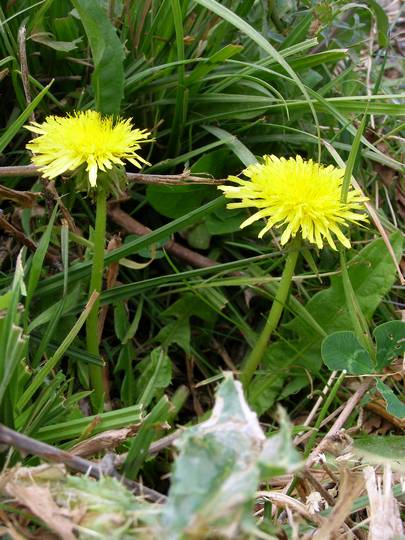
{"x": 47, "y": 452}
{"x": 133, "y": 226}
{"x": 319, "y": 487}
{"x": 340, "y": 421}
{"x": 140, "y": 178}
{"x": 26, "y": 199}
{"x": 20, "y": 236}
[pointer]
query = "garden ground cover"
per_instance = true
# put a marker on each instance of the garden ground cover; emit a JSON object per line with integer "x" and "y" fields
{"x": 138, "y": 386}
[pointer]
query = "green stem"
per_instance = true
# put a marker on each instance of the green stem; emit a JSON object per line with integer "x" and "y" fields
{"x": 357, "y": 318}
{"x": 257, "y": 353}
{"x": 96, "y": 281}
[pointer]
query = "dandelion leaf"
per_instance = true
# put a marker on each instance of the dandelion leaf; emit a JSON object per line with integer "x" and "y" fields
{"x": 218, "y": 469}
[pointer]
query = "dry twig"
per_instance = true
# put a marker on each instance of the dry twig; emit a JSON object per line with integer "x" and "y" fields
{"x": 340, "y": 421}
{"x": 183, "y": 179}
{"x": 133, "y": 226}
{"x": 47, "y": 452}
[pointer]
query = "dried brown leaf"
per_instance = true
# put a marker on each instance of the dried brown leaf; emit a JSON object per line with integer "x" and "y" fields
{"x": 103, "y": 441}
{"x": 350, "y": 488}
{"x": 39, "y": 501}
{"x": 26, "y": 199}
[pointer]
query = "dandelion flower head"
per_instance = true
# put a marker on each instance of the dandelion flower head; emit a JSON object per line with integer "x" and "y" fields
{"x": 85, "y": 137}
{"x": 298, "y": 196}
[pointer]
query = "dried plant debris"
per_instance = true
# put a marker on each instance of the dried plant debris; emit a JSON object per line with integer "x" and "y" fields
{"x": 80, "y": 507}
{"x": 219, "y": 490}
{"x": 385, "y": 521}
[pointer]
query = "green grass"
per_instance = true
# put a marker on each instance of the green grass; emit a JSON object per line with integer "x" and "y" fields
{"x": 218, "y": 84}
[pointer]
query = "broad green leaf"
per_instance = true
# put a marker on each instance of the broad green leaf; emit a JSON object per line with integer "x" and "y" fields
{"x": 382, "y": 449}
{"x": 393, "y": 404}
{"x": 390, "y": 340}
{"x": 215, "y": 164}
{"x": 342, "y": 350}
{"x": 176, "y": 201}
{"x": 216, "y": 473}
{"x": 198, "y": 236}
{"x": 372, "y": 274}
{"x": 224, "y": 222}
{"x": 265, "y": 388}
{"x": 219, "y": 466}
{"x": 108, "y": 56}
{"x": 177, "y": 332}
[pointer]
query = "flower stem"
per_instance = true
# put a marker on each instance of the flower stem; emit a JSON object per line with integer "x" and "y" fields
{"x": 357, "y": 318}
{"x": 96, "y": 280}
{"x": 257, "y": 353}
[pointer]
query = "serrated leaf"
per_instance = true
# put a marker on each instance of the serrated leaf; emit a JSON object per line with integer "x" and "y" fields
{"x": 372, "y": 274}
{"x": 176, "y": 331}
{"x": 390, "y": 340}
{"x": 342, "y": 350}
{"x": 393, "y": 405}
{"x": 224, "y": 222}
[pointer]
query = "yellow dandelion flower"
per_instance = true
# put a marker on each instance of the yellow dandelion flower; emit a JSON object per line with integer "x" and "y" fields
{"x": 298, "y": 196}
{"x": 85, "y": 137}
